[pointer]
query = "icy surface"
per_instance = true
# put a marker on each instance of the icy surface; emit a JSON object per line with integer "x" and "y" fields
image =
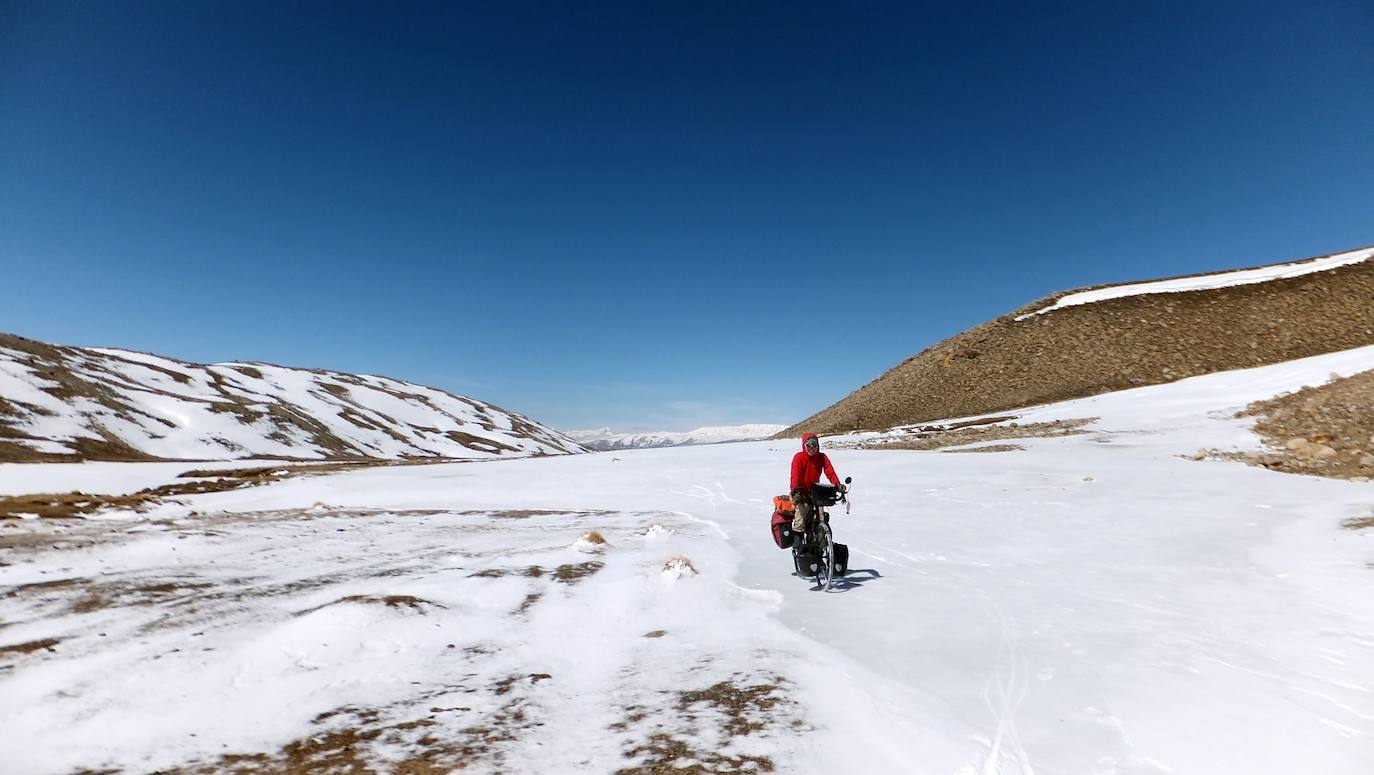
{"x": 1092, "y": 604}
{"x": 1212, "y": 281}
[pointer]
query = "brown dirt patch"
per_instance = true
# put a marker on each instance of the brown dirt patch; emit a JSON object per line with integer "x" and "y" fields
{"x": 31, "y": 646}
{"x": 741, "y": 705}
{"x": 737, "y": 710}
{"x": 532, "y": 572}
{"x": 71, "y": 505}
{"x": 350, "y": 736}
{"x": 528, "y": 602}
{"x": 400, "y": 602}
{"x": 1358, "y": 523}
{"x": 573, "y": 573}
{"x": 988, "y": 448}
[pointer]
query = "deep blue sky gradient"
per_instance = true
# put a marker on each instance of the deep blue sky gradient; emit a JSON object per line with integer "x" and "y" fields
{"x": 647, "y": 215}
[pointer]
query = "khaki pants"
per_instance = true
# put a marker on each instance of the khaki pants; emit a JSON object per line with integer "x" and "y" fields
{"x": 801, "y": 514}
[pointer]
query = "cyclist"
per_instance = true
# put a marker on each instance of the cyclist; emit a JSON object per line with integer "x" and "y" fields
{"x": 807, "y": 467}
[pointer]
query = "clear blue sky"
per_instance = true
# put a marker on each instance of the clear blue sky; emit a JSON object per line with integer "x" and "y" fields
{"x": 646, "y": 216}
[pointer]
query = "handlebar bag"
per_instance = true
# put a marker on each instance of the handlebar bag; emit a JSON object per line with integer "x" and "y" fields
{"x": 782, "y": 529}
{"x": 825, "y": 494}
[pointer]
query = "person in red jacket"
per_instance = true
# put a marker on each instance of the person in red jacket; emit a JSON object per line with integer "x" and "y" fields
{"x": 807, "y": 467}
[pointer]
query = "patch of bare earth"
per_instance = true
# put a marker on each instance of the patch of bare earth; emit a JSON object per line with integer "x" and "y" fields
{"x": 397, "y": 602}
{"x": 573, "y": 573}
{"x": 988, "y": 448}
{"x": 931, "y": 437}
{"x": 70, "y": 505}
{"x": 1327, "y": 430}
{"x": 30, "y": 647}
{"x": 1358, "y": 523}
{"x": 728, "y": 710}
{"x": 445, "y": 739}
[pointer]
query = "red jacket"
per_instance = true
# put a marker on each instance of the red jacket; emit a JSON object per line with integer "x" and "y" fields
{"x": 806, "y": 468}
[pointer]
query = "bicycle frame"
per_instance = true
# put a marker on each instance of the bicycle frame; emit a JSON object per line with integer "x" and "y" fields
{"x": 819, "y": 535}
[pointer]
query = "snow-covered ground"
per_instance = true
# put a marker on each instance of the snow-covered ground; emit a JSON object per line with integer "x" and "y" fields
{"x": 1092, "y": 604}
{"x": 606, "y": 439}
{"x": 1211, "y": 281}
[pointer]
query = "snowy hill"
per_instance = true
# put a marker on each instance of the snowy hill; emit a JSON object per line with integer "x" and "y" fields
{"x": 605, "y": 439}
{"x": 1096, "y": 340}
{"x": 1084, "y": 602}
{"x": 61, "y": 403}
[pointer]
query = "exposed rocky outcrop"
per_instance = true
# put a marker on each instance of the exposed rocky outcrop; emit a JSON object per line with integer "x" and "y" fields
{"x": 1113, "y": 344}
{"x": 1326, "y": 430}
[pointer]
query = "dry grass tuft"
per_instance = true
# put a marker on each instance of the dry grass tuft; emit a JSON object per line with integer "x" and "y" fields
{"x": 528, "y": 602}
{"x": 668, "y": 755}
{"x": 680, "y": 565}
{"x": 741, "y": 705}
{"x": 739, "y": 711}
{"x": 593, "y": 537}
{"x": 1358, "y": 523}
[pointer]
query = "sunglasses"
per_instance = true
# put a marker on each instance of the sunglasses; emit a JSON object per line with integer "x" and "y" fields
{"x": 813, "y": 444}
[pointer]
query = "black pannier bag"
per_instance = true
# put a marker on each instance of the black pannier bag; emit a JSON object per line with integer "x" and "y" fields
{"x": 806, "y": 562}
{"x": 825, "y": 494}
{"x": 841, "y": 559}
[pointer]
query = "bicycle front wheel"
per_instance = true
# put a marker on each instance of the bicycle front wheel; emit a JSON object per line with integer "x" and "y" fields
{"x": 825, "y": 569}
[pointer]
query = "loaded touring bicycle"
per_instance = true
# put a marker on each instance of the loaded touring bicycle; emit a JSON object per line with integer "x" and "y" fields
{"x": 815, "y": 553}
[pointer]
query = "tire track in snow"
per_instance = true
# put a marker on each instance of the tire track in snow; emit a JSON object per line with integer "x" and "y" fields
{"x": 1003, "y": 693}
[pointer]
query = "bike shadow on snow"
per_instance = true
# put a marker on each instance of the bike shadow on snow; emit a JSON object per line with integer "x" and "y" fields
{"x": 851, "y": 581}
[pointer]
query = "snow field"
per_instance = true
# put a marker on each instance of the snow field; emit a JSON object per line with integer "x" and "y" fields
{"x": 1092, "y": 604}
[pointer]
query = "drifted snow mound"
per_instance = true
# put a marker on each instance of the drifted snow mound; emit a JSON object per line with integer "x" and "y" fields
{"x": 61, "y": 403}
{"x": 605, "y": 439}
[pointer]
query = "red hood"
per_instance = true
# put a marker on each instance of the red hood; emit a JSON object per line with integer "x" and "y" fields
{"x": 809, "y": 436}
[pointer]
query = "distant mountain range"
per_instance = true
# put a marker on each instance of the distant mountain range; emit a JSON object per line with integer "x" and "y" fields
{"x": 74, "y": 403}
{"x": 604, "y": 439}
{"x": 1113, "y": 337}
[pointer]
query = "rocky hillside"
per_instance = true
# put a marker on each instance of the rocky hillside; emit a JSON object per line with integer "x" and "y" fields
{"x": 1107, "y": 338}
{"x": 71, "y": 403}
